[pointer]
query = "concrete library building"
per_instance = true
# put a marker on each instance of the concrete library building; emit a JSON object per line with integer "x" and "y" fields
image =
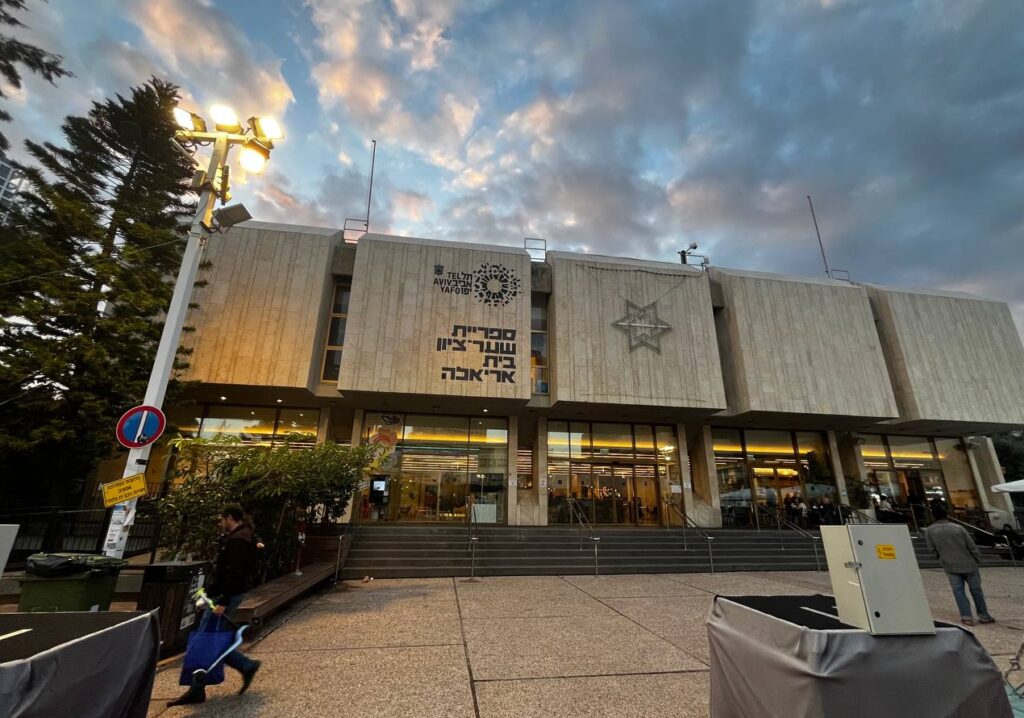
{"x": 520, "y": 382}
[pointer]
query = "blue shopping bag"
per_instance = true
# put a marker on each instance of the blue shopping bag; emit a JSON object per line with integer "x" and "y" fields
{"x": 204, "y": 648}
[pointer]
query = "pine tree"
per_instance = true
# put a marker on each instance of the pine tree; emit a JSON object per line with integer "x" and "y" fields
{"x": 87, "y": 265}
{"x": 14, "y": 53}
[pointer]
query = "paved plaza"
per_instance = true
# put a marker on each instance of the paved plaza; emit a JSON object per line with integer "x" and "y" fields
{"x": 521, "y": 646}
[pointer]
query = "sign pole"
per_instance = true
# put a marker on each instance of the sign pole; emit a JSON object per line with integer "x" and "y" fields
{"x": 123, "y": 515}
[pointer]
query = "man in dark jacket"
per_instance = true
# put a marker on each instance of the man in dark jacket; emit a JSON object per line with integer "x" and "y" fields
{"x": 233, "y": 569}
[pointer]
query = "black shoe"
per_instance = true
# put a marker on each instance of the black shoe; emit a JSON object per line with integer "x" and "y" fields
{"x": 191, "y": 697}
{"x": 248, "y": 675}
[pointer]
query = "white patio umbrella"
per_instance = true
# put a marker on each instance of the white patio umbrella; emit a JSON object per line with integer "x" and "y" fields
{"x": 1010, "y": 487}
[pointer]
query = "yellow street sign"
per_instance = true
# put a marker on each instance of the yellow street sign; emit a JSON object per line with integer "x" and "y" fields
{"x": 130, "y": 487}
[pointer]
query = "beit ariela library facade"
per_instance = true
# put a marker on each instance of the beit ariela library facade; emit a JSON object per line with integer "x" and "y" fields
{"x": 628, "y": 384}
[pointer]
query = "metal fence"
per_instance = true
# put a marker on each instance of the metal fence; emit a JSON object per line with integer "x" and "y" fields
{"x": 72, "y": 530}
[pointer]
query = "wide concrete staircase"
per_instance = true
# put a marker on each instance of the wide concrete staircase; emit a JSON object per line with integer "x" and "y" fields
{"x": 415, "y": 550}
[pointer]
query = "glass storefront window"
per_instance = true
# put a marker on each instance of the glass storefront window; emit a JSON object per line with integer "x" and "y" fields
{"x": 186, "y": 420}
{"x": 297, "y": 427}
{"x": 957, "y": 473}
{"x": 917, "y": 471}
{"x": 539, "y": 361}
{"x": 613, "y": 442}
{"x": 251, "y": 425}
{"x": 777, "y": 469}
{"x": 667, "y": 455}
{"x": 612, "y": 469}
{"x": 435, "y": 465}
{"x": 579, "y": 440}
{"x": 819, "y": 483}
{"x": 733, "y": 482}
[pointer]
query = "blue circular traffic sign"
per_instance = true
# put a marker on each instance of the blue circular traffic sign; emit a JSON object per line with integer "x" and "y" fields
{"x": 140, "y": 426}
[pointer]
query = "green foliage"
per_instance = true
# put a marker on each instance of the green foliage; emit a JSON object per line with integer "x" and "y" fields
{"x": 14, "y": 53}
{"x": 87, "y": 264}
{"x": 281, "y": 488}
{"x": 1010, "y": 450}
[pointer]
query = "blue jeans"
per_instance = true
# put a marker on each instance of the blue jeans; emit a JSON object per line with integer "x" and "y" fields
{"x": 973, "y": 581}
{"x": 236, "y": 659}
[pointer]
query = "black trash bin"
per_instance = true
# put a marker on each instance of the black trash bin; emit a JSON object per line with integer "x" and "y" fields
{"x": 170, "y": 587}
{"x": 69, "y": 582}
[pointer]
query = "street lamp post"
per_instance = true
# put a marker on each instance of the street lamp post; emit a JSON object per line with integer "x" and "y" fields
{"x": 256, "y": 150}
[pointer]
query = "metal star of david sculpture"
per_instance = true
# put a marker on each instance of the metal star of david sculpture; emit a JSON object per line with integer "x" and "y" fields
{"x": 642, "y": 326}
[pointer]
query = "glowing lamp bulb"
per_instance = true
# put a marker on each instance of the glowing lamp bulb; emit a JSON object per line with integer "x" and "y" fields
{"x": 183, "y": 118}
{"x": 224, "y": 117}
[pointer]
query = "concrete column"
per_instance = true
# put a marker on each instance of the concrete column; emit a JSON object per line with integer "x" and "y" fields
{"x": 837, "y": 467}
{"x": 323, "y": 429}
{"x": 851, "y": 463}
{"x": 985, "y": 467}
{"x": 511, "y": 483}
{"x": 685, "y": 482}
{"x": 540, "y": 471}
{"x": 357, "y": 427}
{"x": 705, "y": 477}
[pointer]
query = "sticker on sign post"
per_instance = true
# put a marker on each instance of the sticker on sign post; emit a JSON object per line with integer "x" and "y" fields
{"x": 130, "y": 487}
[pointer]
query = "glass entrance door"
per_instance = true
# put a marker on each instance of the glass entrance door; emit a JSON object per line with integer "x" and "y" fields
{"x": 616, "y": 500}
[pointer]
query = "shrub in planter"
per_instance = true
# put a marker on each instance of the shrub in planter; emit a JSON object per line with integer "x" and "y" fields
{"x": 281, "y": 488}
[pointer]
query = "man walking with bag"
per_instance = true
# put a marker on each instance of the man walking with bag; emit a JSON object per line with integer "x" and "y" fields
{"x": 233, "y": 568}
{"x": 960, "y": 559}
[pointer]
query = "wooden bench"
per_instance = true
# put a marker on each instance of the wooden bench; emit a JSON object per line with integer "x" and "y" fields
{"x": 270, "y": 597}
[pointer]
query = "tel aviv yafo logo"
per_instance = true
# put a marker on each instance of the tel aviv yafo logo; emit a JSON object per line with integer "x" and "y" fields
{"x": 495, "y": 285}
{"x": 492, "y": 284}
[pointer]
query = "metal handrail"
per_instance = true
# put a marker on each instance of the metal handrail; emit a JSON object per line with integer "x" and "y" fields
{"x": 689, "y": 523}
{"x": 356, "y": 507}
{"x": 782, "y": 522}
{"x": 576, "y": 515}
{"x": 472, "y": 538}
{"x": 470, "y": 519}
{"x": 863, "y": 516}
{"x": 996, "y": 540}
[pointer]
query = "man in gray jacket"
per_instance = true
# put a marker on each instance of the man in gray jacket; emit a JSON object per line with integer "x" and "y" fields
{"x": 960, "y": 559}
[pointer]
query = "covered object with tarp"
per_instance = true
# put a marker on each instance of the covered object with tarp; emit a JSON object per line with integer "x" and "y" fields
{"x": 791, "y": 656}
{"x": 87, "y": 664}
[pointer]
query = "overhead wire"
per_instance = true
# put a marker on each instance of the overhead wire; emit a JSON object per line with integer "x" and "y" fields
{"x": 118, "y": 259}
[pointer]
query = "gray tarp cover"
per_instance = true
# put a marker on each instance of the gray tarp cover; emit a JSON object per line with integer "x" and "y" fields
{"x": 107, "y": 673}
{"x": 763, "y": 666}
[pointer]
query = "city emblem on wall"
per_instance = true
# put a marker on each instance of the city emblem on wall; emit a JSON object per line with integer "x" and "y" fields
{"x": 492, "y": 284}
{"x": 495, "y": 285}
{"x": 642, "y": 326}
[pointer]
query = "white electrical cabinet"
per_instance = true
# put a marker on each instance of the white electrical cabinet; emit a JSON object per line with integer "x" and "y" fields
{"x": 876, "y": 580}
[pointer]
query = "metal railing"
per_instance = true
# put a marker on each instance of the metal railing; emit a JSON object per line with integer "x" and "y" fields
{"x": 471, "y": 537}
{"x": 353, "y": 515}
{"x": 577, "y": 516}
{"x": 57, "y": 529}
{"x": 996, "y": 540}
{"x": 782, "y": 522}
{"x": 689, "y": 523}
{"x": 856, "y": 516}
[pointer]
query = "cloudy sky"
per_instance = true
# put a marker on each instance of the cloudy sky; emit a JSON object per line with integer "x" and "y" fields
{"x": 608, "y": 126}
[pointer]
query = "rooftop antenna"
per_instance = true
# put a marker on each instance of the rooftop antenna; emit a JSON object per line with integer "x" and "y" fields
{"x": 369, "y": 197}
{"x": 823, "y": 259}
{"x": 355, "y": 224}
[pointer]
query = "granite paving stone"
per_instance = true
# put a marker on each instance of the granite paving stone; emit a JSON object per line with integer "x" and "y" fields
{"x": 524, "y": 597}
{"x": 633, "y": 586}
{"x": 668, "y": 695}
{"x": 569, "y": 646}
{"x": 385, "y": 683}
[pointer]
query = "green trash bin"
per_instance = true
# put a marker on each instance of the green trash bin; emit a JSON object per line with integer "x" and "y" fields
{"x": 87, "y": 583}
